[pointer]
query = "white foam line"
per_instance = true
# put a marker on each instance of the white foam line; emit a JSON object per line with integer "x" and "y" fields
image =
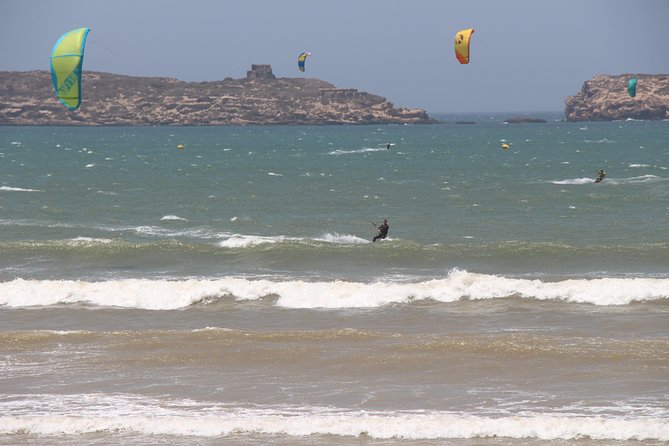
{"x": 18, "y": 189}
{"x": 415, "y": 426}
{"x": 457, "y": 285}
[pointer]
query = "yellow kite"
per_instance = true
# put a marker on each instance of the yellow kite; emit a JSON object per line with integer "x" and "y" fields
{"x": 462, "y": 45}
{"x": 67, "y": 58}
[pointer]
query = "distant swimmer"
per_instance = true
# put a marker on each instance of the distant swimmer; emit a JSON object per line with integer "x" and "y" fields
{"x": 600, "y": 176}
{"x": 383, "y": 231}
{"x": 388, "y": 146}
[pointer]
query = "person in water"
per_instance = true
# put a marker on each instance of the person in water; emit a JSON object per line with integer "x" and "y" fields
{"x": 388, "y": 146}
{"x": 600, "y": 176}
{"x": 383, "y": 231}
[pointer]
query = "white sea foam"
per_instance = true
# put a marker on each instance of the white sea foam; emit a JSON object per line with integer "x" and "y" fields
{"x": 639, "y": 179}
{"x": 202, "y": 233}
{"x": 630, "y": 180}
{"x": 345, "y": 239}
{"x": 237, "y": 219}
{"x": 574, "y": 181}
{"x": 244, "y": 241}
{"x": 18, "y": 189}
{"x": 94, "y": 413}
{"x": 172, "y": 217}
{"x": 457, "y": 285}
{"x": 601, "y": 141}
{"x": 363, "y": 150}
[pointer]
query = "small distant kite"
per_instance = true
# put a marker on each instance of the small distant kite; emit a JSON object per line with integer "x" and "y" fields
{"x": 631, "y": 87}
{"x": 67, "y": 57}
{"x": 301, "y": 59}
{"x": 462, "y": 45}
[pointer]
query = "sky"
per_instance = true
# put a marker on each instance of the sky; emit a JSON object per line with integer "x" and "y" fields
{"x": 526, "y": 55}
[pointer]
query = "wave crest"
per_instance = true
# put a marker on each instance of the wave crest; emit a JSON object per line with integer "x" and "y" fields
{"x": 457, "y": 285}
{"x": 148, "y": 416}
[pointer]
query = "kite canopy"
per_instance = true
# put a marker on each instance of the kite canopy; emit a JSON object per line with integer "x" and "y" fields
{"x": 462, "y": 45}
{"x": 301, "y": 59}
{"x": 631, "y": 87}
{"x": 67, "y": 58}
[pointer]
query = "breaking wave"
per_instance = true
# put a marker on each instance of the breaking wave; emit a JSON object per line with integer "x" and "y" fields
{"x": 147, "y": 416}
{"x": 157, "y": 294}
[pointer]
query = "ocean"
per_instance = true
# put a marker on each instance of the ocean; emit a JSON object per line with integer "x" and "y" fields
{"x": 229, "y": 293}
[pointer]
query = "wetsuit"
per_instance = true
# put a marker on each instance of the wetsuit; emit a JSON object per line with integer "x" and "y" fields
{"x": 383, "y": 232}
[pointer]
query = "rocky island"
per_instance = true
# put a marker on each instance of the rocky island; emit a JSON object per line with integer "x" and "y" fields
{"x": 27, "y": 98}
{"x": 605, "y": 98}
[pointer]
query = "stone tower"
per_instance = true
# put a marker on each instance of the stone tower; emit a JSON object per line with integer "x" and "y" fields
{"x": 260, "y": 72}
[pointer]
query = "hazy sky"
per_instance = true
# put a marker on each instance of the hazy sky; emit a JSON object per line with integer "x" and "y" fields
{"x": 526, "y": 55}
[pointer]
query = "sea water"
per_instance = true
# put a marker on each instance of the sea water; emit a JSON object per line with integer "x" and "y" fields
{"x": 229, "y": 292}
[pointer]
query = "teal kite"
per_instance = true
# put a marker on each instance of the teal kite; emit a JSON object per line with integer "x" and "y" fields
{"x": 631, "y": 87}
{"x": 67, "y": 57}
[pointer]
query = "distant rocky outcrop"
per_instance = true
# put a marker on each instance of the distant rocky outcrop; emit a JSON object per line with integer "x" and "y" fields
{"x": 605, "y": 98}
{"x": 27, "y": 98}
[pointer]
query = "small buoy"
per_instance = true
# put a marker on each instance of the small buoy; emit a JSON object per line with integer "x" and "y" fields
{"x": 505, "y": 146}
{"x": 180, "y": 146}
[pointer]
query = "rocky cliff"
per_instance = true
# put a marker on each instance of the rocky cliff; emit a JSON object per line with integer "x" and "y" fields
{"x": 605, "y": 98}
{"x": 27, "y": 98}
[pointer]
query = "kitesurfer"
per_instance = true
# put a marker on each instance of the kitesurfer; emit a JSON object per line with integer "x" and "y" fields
{"x": 383, "y": 231}
{"x": 600, "y": 176}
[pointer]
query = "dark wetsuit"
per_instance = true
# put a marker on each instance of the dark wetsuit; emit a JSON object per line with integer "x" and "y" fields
{"x": 383, "y": 232}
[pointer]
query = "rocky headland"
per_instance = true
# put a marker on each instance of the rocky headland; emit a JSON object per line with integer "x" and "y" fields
{"x": 27, "y": 98}
{"x": 605, "y": 98}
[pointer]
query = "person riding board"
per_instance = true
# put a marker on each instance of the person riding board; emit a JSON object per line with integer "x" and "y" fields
{"x": 383, "y": 231}
{"x": 600, "y": 176}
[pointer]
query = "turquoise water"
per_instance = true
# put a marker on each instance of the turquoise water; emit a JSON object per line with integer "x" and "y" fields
{"x": 301, "y": 200}
{"x": 229, "y": 292}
